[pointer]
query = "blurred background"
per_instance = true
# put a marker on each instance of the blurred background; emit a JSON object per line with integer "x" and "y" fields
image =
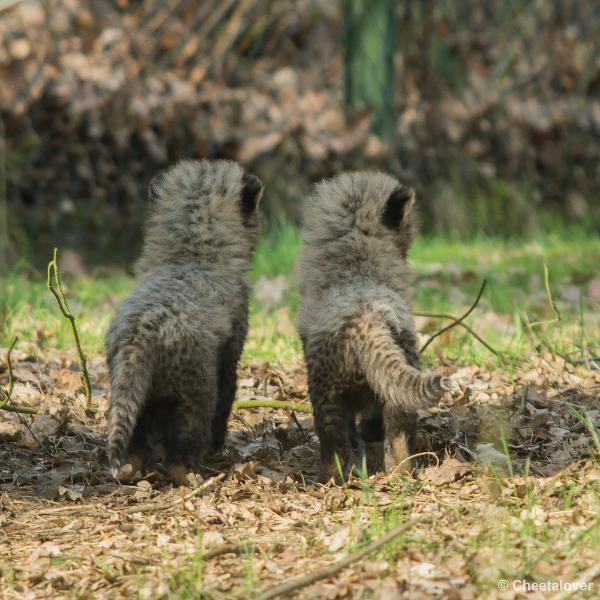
{"x": 490, "y": 109}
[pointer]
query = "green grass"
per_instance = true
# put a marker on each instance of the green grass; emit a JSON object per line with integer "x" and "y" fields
{"x": 189, "y": 582}
{"x": 276, "y": 253}
{"x": 512, "y": 268}
{"x": 28, "y": 309}
{"x": 448, "y": 275}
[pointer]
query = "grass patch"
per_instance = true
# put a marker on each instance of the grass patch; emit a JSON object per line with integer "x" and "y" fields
{"x": 448, "y": 275}
{"x": 189, "y": 581}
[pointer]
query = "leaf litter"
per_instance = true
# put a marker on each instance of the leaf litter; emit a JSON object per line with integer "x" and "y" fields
{"x": 68, "y": 529}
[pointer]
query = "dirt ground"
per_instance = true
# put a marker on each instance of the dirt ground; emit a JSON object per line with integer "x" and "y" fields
{"x": 68, "y": 530}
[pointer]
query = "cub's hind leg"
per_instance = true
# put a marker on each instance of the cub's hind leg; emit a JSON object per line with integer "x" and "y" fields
{"x": 400, "y": 425}
{"x": 188, "y": 435}
{"x": 371, "y": 425}
{"x": 399, "y": 438}
{"x": 229, "y": 356}
{"x": 355, "y": 399}
{"x": 140, "y": 450}
{"x": 356, "y": 441}
{"x": 332, "y": 427}
{"x": 148, "y": 444}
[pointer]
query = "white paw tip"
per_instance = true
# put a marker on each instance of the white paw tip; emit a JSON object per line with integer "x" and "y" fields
{"x": 449, "y": 385}
{"x": 121, "y": 471}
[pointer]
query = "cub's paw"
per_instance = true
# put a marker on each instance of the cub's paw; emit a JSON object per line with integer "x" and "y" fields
{"x": 436, "y": 386}
{"x": 183, "y": 475}
{"x": 449, "y": 385}
{"x": 115, "y": 462}
{"x": 336, "y": 472}
{"x": 126, "y": 471}
{"x": 178, "y": 474}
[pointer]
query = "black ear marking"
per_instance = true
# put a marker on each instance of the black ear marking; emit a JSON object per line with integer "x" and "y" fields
{"x": 153, "y": 187}
{"x": 252, "y": 189}
{"x": 398, "y": 207}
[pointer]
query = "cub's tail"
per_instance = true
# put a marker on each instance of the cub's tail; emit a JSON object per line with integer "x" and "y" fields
{"x": 386, "y": 368}
{"x": 130, "y": 378}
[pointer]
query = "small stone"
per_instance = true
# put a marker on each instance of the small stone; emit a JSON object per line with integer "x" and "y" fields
{"x": 9, "y": 432}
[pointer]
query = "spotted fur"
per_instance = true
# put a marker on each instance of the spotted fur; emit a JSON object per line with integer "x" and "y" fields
{"x": 174, "y": 343}
{"x": 355, "y": 319}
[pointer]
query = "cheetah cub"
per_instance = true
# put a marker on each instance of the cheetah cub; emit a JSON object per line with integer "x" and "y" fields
{"x": 355, "y": 320}
{"x": 174, "y": 343}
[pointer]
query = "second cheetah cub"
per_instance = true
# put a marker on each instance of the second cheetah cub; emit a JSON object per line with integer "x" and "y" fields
{"x": 355, "y": 319}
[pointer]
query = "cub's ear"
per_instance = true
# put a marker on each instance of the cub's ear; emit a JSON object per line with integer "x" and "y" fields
{"x": 154, "y": 186}
{"x": 398, "y": 207}
{"x": 252, "y": 189}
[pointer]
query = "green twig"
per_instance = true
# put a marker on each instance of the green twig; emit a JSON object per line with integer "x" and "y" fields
{"x": 8, "y": 403}
{"x": 457, "y": 321}
{"x": 25, "y": 410}
{"x": 557, "y": 318}
{"x": 305, "y": 408}
{"x": 550, "y": 300}
{"x": 57, "y": 290}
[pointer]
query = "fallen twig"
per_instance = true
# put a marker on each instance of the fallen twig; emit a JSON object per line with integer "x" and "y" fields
{"x": 72, "y": 509}
{"x": 224, "y": 549}
{"x": 456, "y": 321}
{"x": 8, "y": 403}
{"x": 64, "y": 309}
{"x": 338, "y": 566}
{"x": 157, "y": 506}
{"x": 305, "y": 436}
{"x": 239, "y": 405}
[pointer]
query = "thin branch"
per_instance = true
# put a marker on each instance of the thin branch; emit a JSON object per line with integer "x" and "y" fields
{"x": 239, "y": 405}
{"x": 57, "y": 290}
{"x": 462, "y": 324}
{"x": 8, "y": 403}
{"x": 456, "y": 321}
{"x": 557, "y": 318}
{"x": 305, "y": 436}
{"x": 224, "y": 549}
{"x": 25, "y": 410}
{"x": 336, "y": 567}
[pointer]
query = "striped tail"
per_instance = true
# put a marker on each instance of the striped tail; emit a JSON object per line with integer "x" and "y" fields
{"x": 387, "y": 371}
{"x": 131, "y": 377}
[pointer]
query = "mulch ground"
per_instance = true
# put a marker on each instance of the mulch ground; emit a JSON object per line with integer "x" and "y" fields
{"x": 68, "y": 530}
